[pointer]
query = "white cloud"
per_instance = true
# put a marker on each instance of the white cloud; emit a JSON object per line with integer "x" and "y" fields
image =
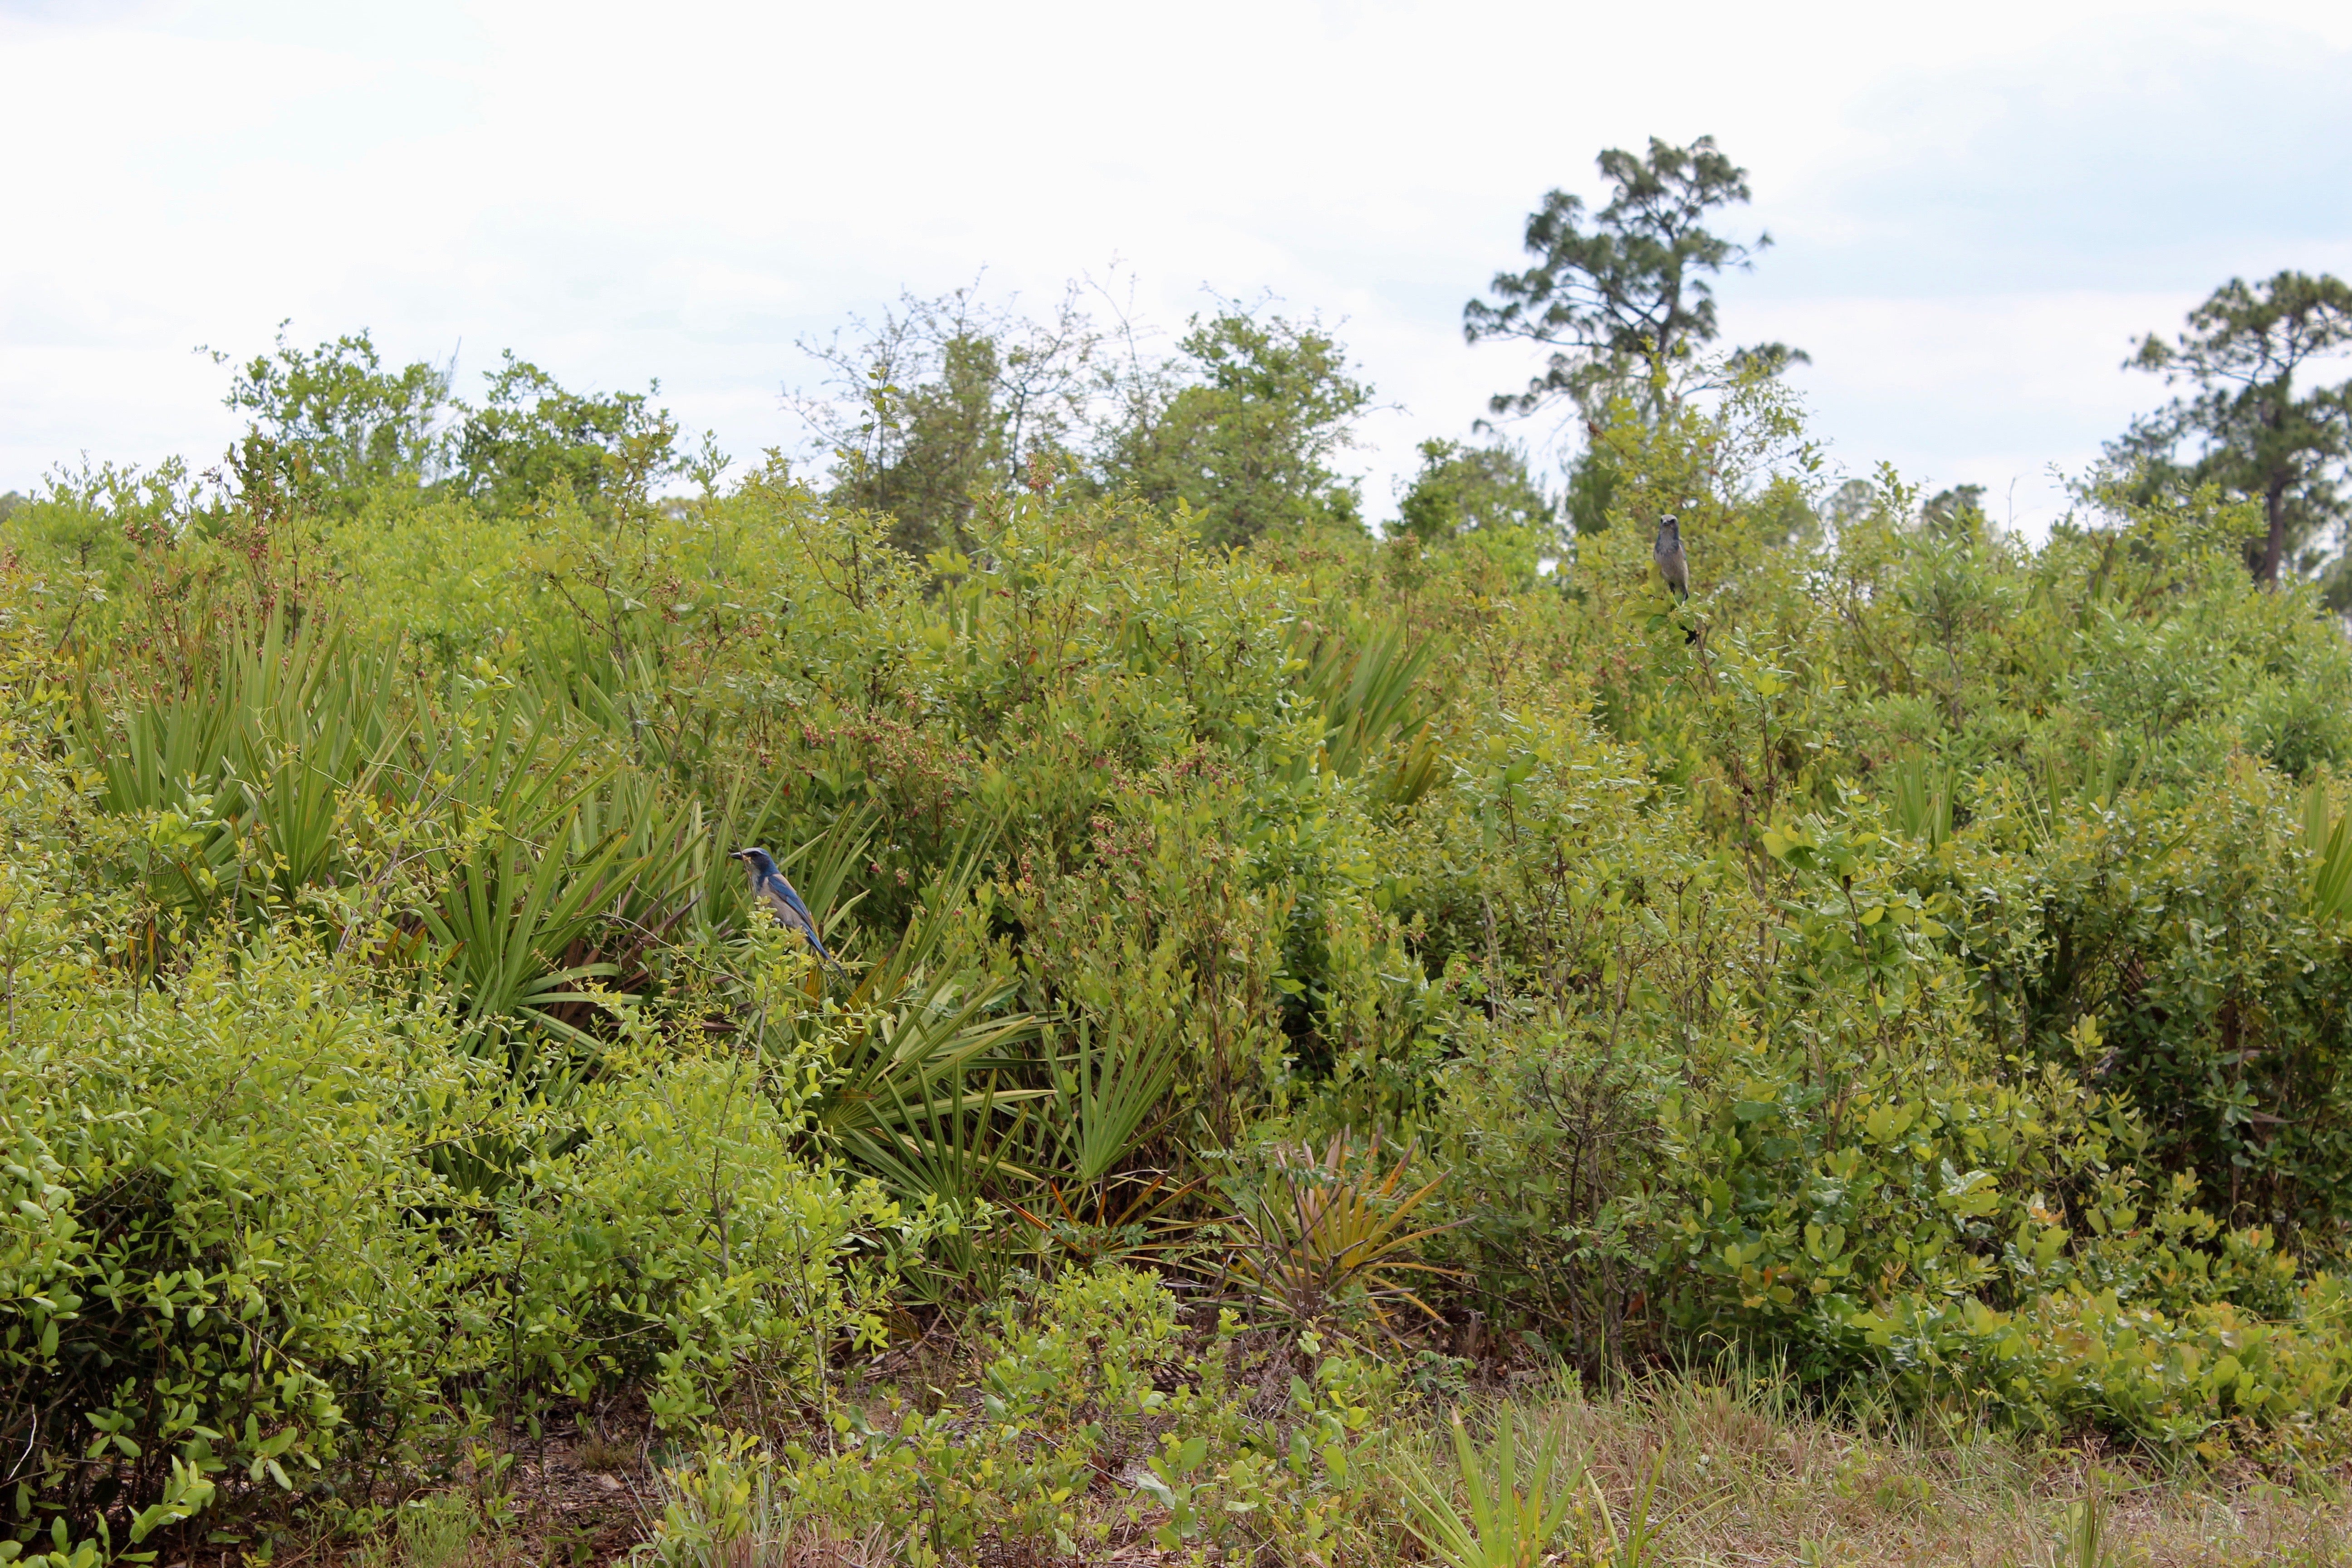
{"x": 1975, "y": 211}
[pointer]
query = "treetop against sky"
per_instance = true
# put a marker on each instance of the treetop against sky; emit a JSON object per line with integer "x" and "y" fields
{"x": 1973, "y": 221}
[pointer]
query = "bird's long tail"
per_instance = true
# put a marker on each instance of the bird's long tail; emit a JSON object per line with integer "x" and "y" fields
{"x": 815, "y": 943}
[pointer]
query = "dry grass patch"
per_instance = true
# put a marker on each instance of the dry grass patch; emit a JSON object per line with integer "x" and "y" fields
{"x": 1734, "y": 1474}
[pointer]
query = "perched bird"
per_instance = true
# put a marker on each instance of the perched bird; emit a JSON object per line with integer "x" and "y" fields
{"x": 769, "y": 885}
{"x": 1668, "y": 554}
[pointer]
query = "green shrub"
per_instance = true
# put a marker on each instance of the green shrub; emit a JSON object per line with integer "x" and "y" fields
{"x": 230, "y": 1273}
{"x": 676, "y": 1237}
{"x": 234, "y": 1273}
{"x": 1919, "y": 956}
{"x": 1069, "y": 1388}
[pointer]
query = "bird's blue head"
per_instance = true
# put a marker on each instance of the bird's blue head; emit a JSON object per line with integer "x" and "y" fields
{"x": 760, "y": 863}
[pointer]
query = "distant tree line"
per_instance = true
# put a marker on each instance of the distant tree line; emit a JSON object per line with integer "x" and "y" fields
{"x": 1243, "y": 424}
{"x": 2245, "y": 425}
{"x": 944, "y": 399}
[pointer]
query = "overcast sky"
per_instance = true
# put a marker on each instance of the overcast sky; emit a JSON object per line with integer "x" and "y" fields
{"x": 1974, "y": 209}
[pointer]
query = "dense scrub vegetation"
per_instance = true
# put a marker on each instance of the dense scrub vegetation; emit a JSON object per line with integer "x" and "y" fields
{"x": 1278, "y": 982}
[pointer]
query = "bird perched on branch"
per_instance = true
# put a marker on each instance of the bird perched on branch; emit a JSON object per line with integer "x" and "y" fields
{"x": 769, "y": 885}
{"x": 1668, "y": 554}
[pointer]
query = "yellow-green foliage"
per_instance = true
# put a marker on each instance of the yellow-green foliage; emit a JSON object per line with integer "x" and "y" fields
{"x": 1089, "y": 1378}
{"x": 1916, "y": 956}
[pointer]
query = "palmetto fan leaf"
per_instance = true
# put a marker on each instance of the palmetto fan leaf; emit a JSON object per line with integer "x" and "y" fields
{"x": 2329, "y": 845}
{"x": 259, "y": 758}
{"x": 914, "y": 1026}
{"x": 902, "y": 1063}
{"x": 507, "y": 915}
{"x": 517, "y": 891}
{"x": 1368, "y": 688}
{"x": 1108, "y": 1096}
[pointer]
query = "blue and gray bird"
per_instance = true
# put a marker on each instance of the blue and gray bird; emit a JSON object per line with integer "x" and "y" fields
{"x": 769, "y": 885}
{"x": 1668, "y": 554}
